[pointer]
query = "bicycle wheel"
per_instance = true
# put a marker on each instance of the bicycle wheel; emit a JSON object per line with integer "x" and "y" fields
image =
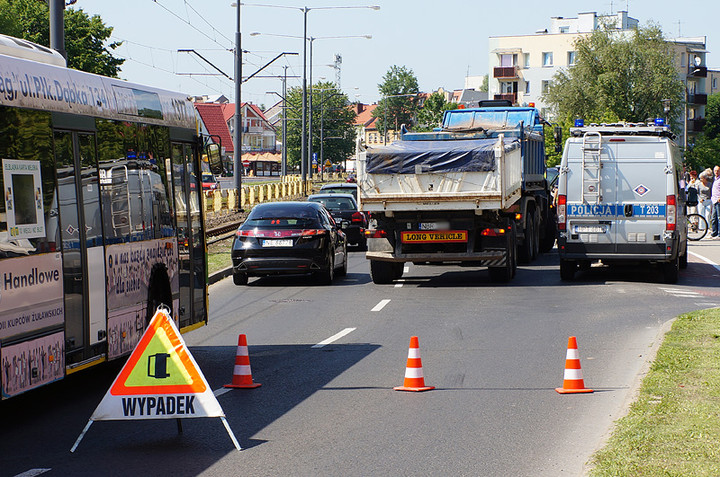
{"x": 697, "y": 227}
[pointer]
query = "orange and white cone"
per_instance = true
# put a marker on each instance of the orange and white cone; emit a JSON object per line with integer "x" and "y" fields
{"x": 414, "y": 379}
{"x": 242, "y": 375}
{"x": 573, "y": 380}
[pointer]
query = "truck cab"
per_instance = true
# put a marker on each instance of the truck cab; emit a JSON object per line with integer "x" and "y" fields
{"x": 620, "y": 199}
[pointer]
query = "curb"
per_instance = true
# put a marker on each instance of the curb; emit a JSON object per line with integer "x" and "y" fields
{"x": 217, "y": 276}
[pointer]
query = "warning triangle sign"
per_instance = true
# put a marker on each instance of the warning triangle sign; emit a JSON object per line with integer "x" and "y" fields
{"x": 160, "y": 380}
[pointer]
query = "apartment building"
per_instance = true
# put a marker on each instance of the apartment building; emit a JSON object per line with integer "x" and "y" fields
{"x": 522, "y": 66}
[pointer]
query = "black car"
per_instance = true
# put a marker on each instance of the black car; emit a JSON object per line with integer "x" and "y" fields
{"x": 281, "y": 238}
{"x": 344, "y": 210}
{"x": 340, "y": 188}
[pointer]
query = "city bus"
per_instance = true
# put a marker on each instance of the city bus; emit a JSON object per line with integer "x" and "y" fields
{"x": 100, "y": 217}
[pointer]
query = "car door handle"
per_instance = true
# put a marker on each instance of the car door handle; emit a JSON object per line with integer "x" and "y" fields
{"x": 628, "y": 210}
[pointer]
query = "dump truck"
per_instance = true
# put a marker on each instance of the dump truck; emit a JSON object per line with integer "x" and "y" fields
{"x": 472, "y": 192}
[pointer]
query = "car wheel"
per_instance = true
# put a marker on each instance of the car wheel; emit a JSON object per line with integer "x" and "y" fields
{"x": 342, "y": 271}
{"x": 325, "y": 277}
{"x": 381, "y": 272}
{"x": 240, "y": 279}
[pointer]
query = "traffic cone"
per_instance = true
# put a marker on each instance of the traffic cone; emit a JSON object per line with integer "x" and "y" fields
{"x": 242, "y": 375}
{"x": 573, "y": 379}
{"x": 414, "y": 380}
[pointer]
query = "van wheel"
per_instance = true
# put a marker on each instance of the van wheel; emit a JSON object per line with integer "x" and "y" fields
{"x": 684, "y": 259}
{"x": 671, "y": 270}
{"x": 381, "y": 272}
{"x": 567, "y": 269}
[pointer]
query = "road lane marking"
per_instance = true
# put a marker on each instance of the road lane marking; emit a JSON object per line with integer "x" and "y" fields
{"x": 400, "y": 284}
{"x": 221, "y": 391}
{"x": 706, "y": 260}
{"x": 33, "y": 472}
{"x": 406, "y": 269}
{"x": 334, "y": 337}
{"x": 380, "y": 305}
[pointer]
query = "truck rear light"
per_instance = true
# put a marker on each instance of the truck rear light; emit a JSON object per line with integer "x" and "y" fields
{"x": 357, "y": 217}
{"x": 375, "y": 233}
{"x": 670, "y": 212}
{"x": 561, "y": 210}
{"x": 493, "y": 232}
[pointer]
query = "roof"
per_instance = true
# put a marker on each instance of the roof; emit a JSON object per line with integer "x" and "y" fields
{"x": 365, "y": 118}
{"x": 215, "y": 118}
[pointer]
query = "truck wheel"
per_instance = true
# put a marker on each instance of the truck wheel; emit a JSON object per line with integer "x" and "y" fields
{"x": 567, "y": 269}
{"x": 381, "y": 272}
{"x": 536, "y": 235}
{"x": 525, "y": 254}
{"x": 547, "y": 242}
{"x": 505, "y": 273}
{"x": 398, "y": 268}
{"x": 671, "y": 270}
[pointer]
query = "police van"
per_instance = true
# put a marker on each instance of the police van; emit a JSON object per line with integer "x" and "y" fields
{"x": 620, "y": 198}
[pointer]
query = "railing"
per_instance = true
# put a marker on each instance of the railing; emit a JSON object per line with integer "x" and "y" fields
{"x": 696, "y": 125}
{"x": 223, "y": 202}
{"x": 509, "y": 96}
{"x": 505, "y": 72}
{"x": 697, "y": 71}
{"x": 697, "y": 99}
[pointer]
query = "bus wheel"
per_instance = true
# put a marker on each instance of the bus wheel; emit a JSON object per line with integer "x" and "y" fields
{"x": 159, "y": 291}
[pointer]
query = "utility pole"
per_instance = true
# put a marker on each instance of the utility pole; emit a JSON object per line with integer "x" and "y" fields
{"x": 237, "y": 136}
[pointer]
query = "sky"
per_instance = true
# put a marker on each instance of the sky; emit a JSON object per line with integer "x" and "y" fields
{"x": 442, "y": 42}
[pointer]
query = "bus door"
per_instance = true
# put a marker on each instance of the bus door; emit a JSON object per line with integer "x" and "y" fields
{"x": 82, "y": 246}
{"x": 191, "y": 234}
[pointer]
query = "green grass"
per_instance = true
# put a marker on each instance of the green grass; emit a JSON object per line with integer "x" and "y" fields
{"x": 673, "y": 428}
{"x": 219, "y": 256}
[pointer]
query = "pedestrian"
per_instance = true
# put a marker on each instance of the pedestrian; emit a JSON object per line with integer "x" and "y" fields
{"x": 715, "y": 199}
{"x": 693, "y": 184}
{"x": 704, "y": 189}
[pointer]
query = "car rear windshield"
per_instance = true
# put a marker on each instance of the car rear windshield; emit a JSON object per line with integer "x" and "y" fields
{"x": 340, "y": 190}
{"x": 336, "y": 203}
{"x": 290, "y": 216}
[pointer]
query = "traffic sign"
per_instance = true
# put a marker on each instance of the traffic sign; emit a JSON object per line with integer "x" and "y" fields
{"x": 160, "y": 380}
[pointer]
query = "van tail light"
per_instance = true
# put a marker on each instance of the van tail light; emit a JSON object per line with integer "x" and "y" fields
{"x": 376, "y": 233}
{"x": 357, "y": 217}
{"x": 670, "y": 212}
{"x": 561, "y": 212}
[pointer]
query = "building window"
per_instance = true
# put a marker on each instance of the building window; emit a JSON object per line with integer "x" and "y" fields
{"x": 682, "y": 59}
{"x": 564, "y": 29}
{"x": 547, "y": 57}
{"x": 508, "y": 60}
{"x": 545, "y": 86}
{"x": 526, "y": 60}
{"x": 527, "y": 87}
{"x": 714, "y": 83}
{"x": 571, "y": 57}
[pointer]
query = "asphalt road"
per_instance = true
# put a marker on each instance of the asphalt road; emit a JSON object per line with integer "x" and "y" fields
{"x": 494, "y": 352}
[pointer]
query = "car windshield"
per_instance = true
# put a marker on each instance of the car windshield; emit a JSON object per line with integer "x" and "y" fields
{"x": 207, "y": 177}
{"x": 336, "y": 203}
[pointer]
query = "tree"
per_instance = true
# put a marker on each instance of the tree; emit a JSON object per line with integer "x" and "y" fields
{"x": 484, "y": 85}
{"x": 399, "y": 103}
{"x": 618, "y": 76}
{"x": 431, "y": 114}
{"x": 85, "y": 36}
{"x": 332, "y": 118}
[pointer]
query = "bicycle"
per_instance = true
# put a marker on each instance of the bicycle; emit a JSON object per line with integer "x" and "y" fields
{"x": 697, "y": 227}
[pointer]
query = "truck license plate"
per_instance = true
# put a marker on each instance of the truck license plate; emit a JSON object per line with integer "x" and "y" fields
{"x": 448, "y": 236}
{"x": 434, "y": 225}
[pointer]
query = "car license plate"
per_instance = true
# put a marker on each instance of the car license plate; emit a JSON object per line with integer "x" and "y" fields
{"x": 449, "y": 236}
{"x": 589, "y": 229}
{"x": 434, "y": 225}
{"x": 277, "y": 243}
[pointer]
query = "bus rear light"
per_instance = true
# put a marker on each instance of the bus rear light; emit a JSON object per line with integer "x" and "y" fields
{"x": 670, "y": 212}
{"x": 561, "y": 211}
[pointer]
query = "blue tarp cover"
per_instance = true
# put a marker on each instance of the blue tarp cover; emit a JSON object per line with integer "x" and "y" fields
{"x": 401, "y": 157}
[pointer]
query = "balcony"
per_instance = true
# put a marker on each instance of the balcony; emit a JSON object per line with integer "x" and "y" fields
{"x": 695, "y": 125}
{"x": 512, "y": 97}
{"x": 505, "y": 72}
{"x": 700, "y": 99}
{"x": 697, "y": 71}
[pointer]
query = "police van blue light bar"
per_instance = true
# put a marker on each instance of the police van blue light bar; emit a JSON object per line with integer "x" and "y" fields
{"x": 579, "y": 123}
{"x": 659, "y": 122}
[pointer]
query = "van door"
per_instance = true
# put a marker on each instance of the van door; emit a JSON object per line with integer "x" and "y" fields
{"x": 591, "y": 215}
{"x": 641, "y": 184}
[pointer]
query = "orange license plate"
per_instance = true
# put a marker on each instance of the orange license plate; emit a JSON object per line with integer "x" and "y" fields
{"x": 445, "y": 236}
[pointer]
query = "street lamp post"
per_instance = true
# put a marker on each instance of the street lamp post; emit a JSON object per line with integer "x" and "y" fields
{"x": 305, "y": 10}
{"x": 237, "y": 150}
